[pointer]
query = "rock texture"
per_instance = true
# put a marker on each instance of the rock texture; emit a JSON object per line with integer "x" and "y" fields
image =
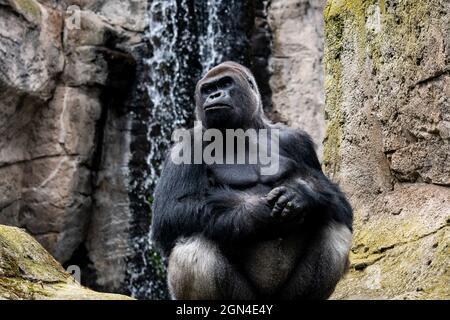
{"x": 67, "y": 69}
{"x": 296, "y": 64}
{"x": 27, "y": 271}
{"x": 387, "y": 142}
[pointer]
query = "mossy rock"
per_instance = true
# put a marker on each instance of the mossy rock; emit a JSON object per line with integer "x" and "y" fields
{"x": 30, "y": 9}
{"x": 28, "y": 271}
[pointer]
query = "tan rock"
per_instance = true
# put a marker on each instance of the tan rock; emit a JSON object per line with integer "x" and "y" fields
{"x": 91, "y": 31}
{"x": 32, "y": 57}
{"x": 47, "y": 185}
{"x": 387, "y": 101}
{"x": 126, "y": 14}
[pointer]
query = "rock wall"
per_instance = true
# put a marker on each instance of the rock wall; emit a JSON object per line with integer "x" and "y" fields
{"x": 67, "y": 76}
{"x": 296, "y": 64}
{"x": 387, "y": 90}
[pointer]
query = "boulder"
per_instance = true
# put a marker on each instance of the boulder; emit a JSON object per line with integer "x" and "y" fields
{"x": 28, "y": 271}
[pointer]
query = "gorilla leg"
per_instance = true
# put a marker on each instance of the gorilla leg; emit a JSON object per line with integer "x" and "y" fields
{"x": 322, "y": 265}
{"x": 198, "y": 270}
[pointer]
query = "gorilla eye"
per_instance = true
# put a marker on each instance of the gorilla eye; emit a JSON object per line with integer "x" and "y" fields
{"x": 208, "y": 89}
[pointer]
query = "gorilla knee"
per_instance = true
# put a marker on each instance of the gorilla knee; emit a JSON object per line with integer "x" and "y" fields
{"x": 321, "y": 267}
{"x": 339, "y": 240}
{"x": 194, "y": 266}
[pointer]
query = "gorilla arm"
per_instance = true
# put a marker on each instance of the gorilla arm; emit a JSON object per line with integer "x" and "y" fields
{"x": 178, "y": 204}
{"x": 308, "y": 193}
{"x": 315, "y": 203}
{"x": 182, "y": 217}
{"x": 237, "y": 216}
{"x": 184, "y": 205}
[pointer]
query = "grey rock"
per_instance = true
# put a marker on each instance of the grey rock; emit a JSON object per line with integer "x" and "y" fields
{"x": 296, "y": 64}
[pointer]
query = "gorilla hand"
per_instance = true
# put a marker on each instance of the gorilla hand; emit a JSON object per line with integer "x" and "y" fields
{"x": 287, "y": 204}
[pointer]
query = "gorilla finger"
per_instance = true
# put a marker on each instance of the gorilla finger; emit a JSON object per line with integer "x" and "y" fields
{"x": 298, "y": 205}
{"x": 275, "y": 213}
{"x": 291, "y": 212}
{"x": 279, "y": 206}
{"x": 286, "y": 213}
{"x": 283, "y": 199}
{"x": 275, "y": 193}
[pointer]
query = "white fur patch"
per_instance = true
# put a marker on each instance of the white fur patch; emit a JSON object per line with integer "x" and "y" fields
{"x": 339, "y": 239}
{"x": 195, "y": 254}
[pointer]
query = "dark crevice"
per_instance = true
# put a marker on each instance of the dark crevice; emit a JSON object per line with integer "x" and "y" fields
{"x": 113, "y": 97}
{"x": 80, "y": 258}
{"x": 37, "y": 158}
{"x": 432, "y": 78}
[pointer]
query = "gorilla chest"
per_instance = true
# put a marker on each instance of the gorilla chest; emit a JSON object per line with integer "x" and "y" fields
{"x": 248, "y": 175}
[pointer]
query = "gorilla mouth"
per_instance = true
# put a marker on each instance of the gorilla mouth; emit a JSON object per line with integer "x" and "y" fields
{"x": 217, "y": 106}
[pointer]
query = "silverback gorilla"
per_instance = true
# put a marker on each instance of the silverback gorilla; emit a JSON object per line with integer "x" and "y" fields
{"x": 230, "y": 232}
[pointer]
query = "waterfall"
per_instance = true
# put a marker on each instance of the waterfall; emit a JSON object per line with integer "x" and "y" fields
{"x": 220, "y": 32}
{"x": 185, "y": 39}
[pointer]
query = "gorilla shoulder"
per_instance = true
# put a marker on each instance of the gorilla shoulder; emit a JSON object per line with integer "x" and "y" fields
{"x": 298, "y": 145}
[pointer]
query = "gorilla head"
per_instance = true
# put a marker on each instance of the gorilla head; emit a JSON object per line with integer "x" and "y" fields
{"x": 227, "y": 97}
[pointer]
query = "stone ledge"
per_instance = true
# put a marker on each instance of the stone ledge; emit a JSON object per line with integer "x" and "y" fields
{"x": 28, "y": 271}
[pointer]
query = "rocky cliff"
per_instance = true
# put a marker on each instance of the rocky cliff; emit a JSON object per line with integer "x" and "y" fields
{"x": 387, "y": 90}
{"x": 68, "y": 69}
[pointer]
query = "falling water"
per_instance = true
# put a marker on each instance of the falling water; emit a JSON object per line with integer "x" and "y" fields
{"x": 186, "y": 38}
{"x": 220, "y": 32}
{"x": 169, "y": 66}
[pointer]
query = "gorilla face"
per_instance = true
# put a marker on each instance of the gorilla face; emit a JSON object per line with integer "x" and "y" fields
{"x": 227, "y": 97}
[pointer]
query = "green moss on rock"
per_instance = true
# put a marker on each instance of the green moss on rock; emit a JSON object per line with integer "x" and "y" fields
{"x": 29, "y": 8}
{"x": 28, "y": 271}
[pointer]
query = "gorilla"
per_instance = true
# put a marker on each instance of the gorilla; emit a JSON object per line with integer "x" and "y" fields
{"x": 229, "y": 232}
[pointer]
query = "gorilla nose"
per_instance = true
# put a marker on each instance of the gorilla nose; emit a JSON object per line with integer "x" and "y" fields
{"x": 216, "y": 95}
